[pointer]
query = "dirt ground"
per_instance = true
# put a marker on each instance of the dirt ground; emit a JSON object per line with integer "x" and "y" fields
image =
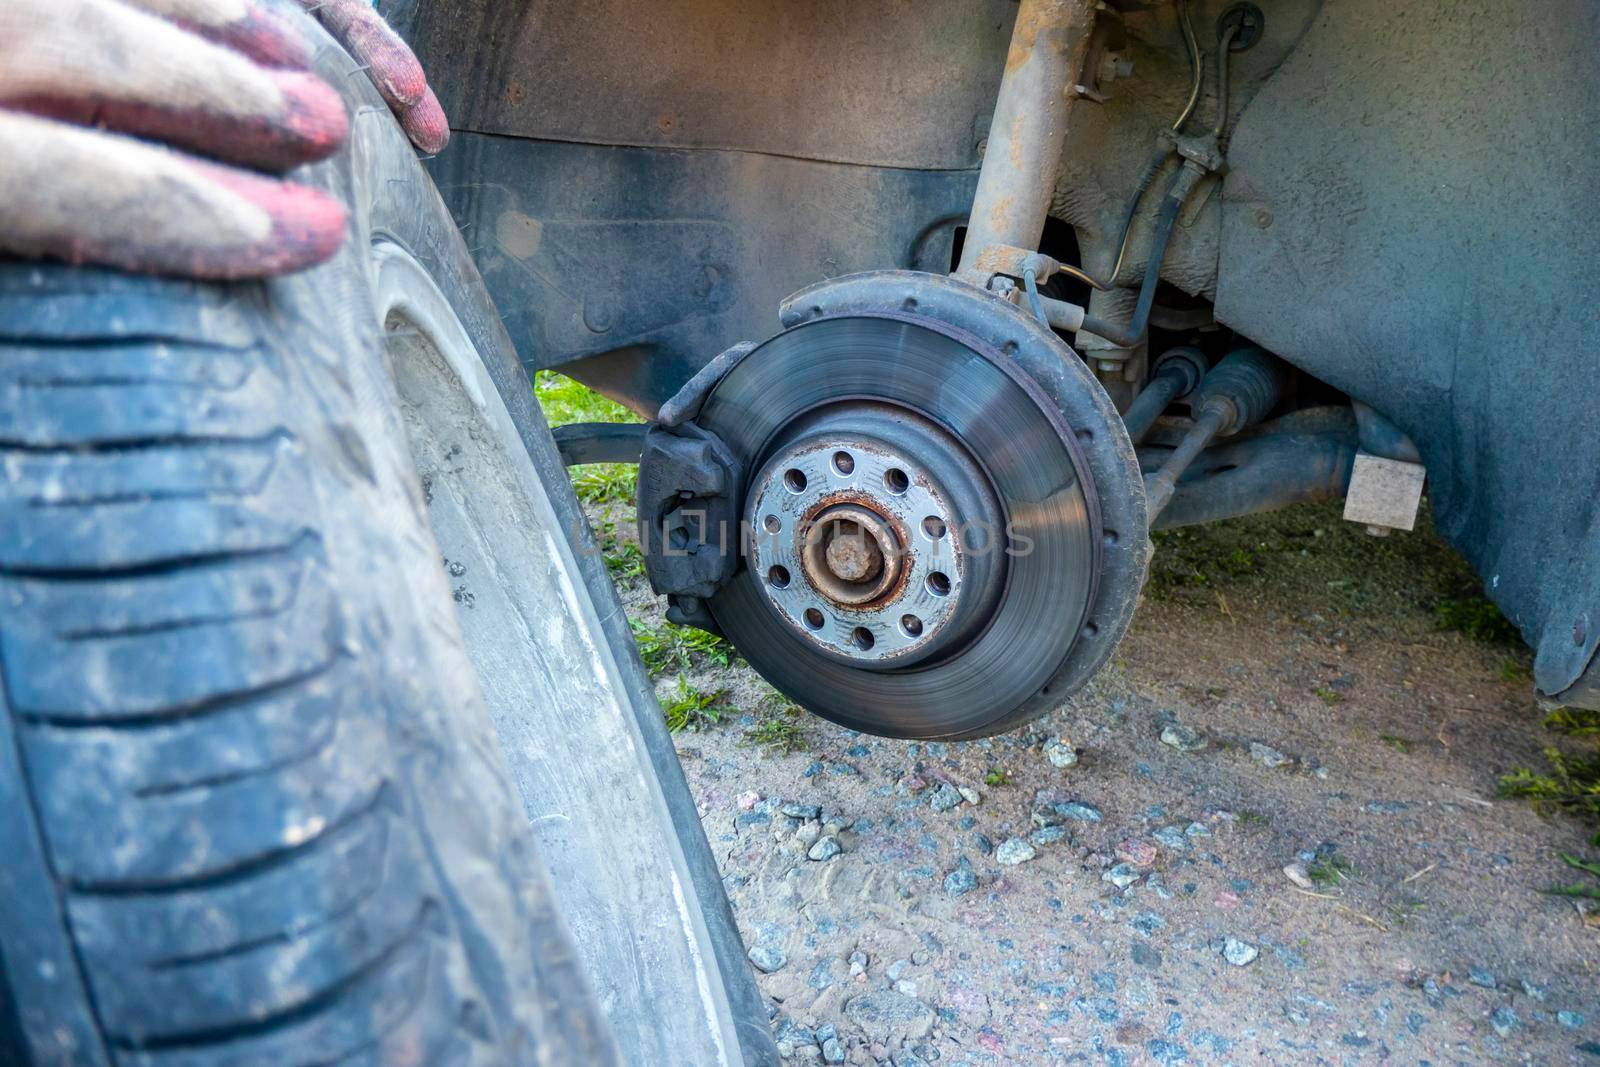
{"x": 1151, "y": 919}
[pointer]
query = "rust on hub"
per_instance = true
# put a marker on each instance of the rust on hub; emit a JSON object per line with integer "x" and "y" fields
{"x": 852, "y": 554}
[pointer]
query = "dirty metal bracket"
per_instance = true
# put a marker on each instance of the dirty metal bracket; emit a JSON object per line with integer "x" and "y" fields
{"x": 599, "y": 442}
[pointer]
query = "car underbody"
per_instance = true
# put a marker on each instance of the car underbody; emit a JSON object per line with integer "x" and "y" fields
{"x": 1300, "y": 250}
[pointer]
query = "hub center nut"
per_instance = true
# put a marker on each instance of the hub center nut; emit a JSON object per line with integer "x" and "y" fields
{"x": 852, "y": 555}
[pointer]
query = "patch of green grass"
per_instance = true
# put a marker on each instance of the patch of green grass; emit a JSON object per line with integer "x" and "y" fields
{"x": 1571, "y": 782}
{"x": 623, "y": 557}
{"x": 1589, "y": 890}
{"x": 668, "y": 647}
{"x": 604, "y": 483}
{"x": 1513, "y": 671}
{"x": 566, "y": 401}
{"x": 691, "y": 708}
{"x": 1405, "y": 908}
{"x": 1330, "y": 872}
{"x": 1240, "y": 561}
{"x": 778, "y": 729}
{"x": 1254, "y": 820}
{"x": 1328, "y": 696}
{"x": 1475, "y": 617}
{"x": 1399, "y": 744}
{"x": 997, "y": 776}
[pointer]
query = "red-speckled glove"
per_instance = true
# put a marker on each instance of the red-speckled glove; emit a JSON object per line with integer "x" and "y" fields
{"x": 85, "y": 85}
{"x": 390, "y": 64}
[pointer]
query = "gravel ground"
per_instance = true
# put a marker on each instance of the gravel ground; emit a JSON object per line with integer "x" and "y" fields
{"x": 1266, "y": 833}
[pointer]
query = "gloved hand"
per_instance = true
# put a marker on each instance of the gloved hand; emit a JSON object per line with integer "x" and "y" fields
{"x": 81, "y": 81}
{"x": 390, "y": 64}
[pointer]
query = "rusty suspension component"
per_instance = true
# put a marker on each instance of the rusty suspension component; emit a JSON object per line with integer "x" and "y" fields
{"x": 1031, "y": 116}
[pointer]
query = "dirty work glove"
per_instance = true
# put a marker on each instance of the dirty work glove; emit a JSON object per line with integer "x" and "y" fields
{"x": 390, "y": 64}
{"x": 82, "y": 81}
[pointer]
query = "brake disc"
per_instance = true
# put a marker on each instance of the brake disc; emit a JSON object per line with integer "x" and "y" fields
{"x": 924, "y": 551}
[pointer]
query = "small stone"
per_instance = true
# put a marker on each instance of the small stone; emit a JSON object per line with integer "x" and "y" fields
{"x": 885, "y": 1013}
{"x": 1166, "y": 1053}
{"x": 1147, "y": 923}
{"x": 801, "y": 811}
{"x": 946, "y": 798}
{"x": 1239, "y": 953}
{"x": 767, "y": 959}
{"x": 1297, "y": 873}
{"x": 833, "y": 823}
{"x": 970, "y": 795}
{"x": 1386, "y": 807}
{"x": 1572, "y": 1020}
{"x": 1268, "y": 756}
{"x": 1013, "y": 852}
{"x": 1145, "y": 956}
{"x": 1048, "y": 835}
{"x": 906, "y": 987}
{"x": 807, "y": 833}
{"x": 1480, "y": 977}
{"x": 1079, "y": 812}
{"x": 832, "y": 1051}
{"x": 1172, "y": 837}
{"x": 1537, "y": 992}
{"x": 825, "y": 1032}
{"x": 1044, "y": 815}
{"x": 858, "y": 964}
{"x": 821, "y": 975}
{"x": 962, "y": 880}
{"x": 747, "y": 800}
{"x": 1504, "y": 1020}
{"x": 1138, "y": 852}
{"x": 1060, "y": 754}
{"x": 1183, "y": 738}
{"x": 1122, "y": 875}
{"x": 824, "y": 850}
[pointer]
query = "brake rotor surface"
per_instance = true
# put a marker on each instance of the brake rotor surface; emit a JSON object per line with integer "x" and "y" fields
{"x": 923, "y": 538}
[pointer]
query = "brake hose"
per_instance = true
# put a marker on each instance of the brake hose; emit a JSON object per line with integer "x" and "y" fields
{"x": 1191, "y": 47}
{"x": 1134, "y": 333}
{"x": 1225, "y": 36}
{"x": 1131, "y": 335}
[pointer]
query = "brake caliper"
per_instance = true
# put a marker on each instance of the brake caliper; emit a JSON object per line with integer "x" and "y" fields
{"x": 691, "y": 487}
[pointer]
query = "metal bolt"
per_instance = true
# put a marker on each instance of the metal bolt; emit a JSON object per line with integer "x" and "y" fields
{"x": 1263, "y": 217}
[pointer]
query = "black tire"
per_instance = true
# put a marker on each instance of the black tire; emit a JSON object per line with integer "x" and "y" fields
{"x": 252, "y": 807}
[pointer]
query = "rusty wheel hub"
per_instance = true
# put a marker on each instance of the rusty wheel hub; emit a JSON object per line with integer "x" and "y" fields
{"x": 859, "y": 534}
{"x": 852, "y": 555}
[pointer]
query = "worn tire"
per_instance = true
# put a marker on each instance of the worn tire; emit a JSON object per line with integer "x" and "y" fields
{"x": 252, "y": 807}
